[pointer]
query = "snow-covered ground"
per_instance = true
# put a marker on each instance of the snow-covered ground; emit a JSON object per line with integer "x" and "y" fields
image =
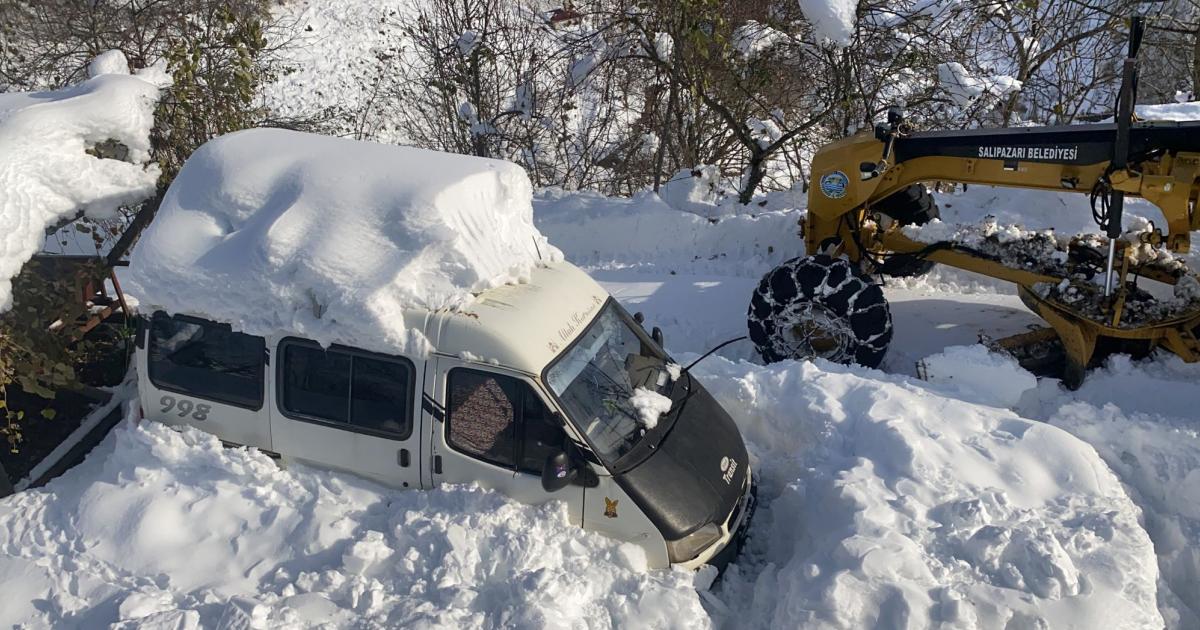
{"x": 886, "y": 501}
{"x": 331, "y": 56}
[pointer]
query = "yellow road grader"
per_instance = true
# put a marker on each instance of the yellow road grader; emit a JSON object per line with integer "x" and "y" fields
{"x": 868, "y": 206}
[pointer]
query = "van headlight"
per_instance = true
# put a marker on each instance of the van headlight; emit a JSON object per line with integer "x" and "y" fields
{"x": 691, "y": 545}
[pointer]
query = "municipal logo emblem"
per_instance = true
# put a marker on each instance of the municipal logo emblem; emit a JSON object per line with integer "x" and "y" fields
{"x": 728, "y": 467}
{"x": 834, "y": 184}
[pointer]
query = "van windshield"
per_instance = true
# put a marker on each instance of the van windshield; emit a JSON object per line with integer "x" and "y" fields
{"x": 596, "y": 378}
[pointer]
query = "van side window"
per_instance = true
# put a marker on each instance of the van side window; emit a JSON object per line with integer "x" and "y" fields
{"x": 481, "y": 416}
{"x": 316, "y": 383}
{"x": 541, "y": 437}
{"x": 196, "y": 357}
{"x": 501, "y": 420}
{"x": 346, "y": 388}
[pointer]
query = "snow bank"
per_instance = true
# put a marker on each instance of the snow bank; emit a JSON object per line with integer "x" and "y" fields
{"x": 1141, "y": 417}
{"x": 882, "y": 504}
{"x": 886, "y": 505}
{"x": 694, "y": 190}
{"x": 48, "y": 174}
{"x": 1065, "y": 213}
{"x": 166, "y": 529}
{"x": 979, "y": 375}
{"x": 646, "y": 233}
{"x": 280, "y": 231}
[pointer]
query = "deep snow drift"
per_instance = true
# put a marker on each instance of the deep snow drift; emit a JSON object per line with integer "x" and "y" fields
{"x": 646, "y": 234}
{"x": 883, "y": 504}
{"x": 49, "y": 174}
{"x": 1141, "y": 417}
{"x": 160, "y": 529}
{"x": 274, "y": 230}
{"x": 891, "y": 506}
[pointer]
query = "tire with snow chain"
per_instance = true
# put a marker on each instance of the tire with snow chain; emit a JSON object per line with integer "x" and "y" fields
{"x": 818, "y": 306}
{"x": 912, "y": 206}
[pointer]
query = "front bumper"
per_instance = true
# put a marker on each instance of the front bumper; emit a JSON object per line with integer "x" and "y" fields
{"x": 727, "y": 548}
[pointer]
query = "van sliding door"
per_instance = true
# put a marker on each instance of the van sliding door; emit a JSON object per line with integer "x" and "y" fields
{"x": 348, "y": 410}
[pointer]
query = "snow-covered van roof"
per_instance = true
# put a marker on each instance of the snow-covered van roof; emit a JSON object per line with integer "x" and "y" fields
{"x": 286, "y": 233}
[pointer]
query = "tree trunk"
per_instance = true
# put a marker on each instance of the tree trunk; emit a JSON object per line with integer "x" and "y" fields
{"x": 1196, "y": 65}
{"x": 665, "y": 130}
{"x": 754, "y": 177}
{"x": 6, "y": 487}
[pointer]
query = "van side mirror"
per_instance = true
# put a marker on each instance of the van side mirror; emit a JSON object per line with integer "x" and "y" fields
{"x": 657, "y": 336}
{"x": 559, "y": 472}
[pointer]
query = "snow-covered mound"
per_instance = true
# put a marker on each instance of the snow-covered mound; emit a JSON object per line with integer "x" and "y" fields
{"x": 882, "y": 504}
{"x": 886, "y": 505}
{"x": 48, "y": 174}
{"x": 160, "y": 529}
{"x": 979, "y": 375}
{"x": 647, "y": 233}
{"x": 281, "y": 231}
{"x": 1141, "y": 417}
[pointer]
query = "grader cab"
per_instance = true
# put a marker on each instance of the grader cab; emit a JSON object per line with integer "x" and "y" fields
{"x": 868, "y": 203}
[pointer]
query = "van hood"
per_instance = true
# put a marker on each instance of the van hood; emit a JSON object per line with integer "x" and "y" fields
{"x": 696, "y": 474}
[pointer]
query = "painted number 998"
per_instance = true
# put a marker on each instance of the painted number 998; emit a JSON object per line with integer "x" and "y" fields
{"x": 184, "y": 407}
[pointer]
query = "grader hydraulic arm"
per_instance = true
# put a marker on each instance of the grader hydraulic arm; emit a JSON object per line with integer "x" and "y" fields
{"x": 1077, "y": 158}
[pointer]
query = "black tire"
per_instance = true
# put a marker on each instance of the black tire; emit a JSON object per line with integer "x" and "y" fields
{"x": 912, "y": 206}
{"x": 818, "y": 306}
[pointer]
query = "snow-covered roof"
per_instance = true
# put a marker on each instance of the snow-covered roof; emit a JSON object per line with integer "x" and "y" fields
{"x": 48, "y": 174}
{"x": 281, "y": 232}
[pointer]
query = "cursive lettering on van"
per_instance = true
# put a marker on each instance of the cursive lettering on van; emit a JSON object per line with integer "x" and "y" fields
{"x": 577, "y": 319}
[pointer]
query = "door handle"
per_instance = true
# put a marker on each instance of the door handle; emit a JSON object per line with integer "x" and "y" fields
{"x": 402, "y": 458}
{"x": 437, "y": 464}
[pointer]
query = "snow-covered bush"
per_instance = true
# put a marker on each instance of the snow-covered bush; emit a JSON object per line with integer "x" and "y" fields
{"x": 89, "y": 158}
{"x": 57, "y": 150}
